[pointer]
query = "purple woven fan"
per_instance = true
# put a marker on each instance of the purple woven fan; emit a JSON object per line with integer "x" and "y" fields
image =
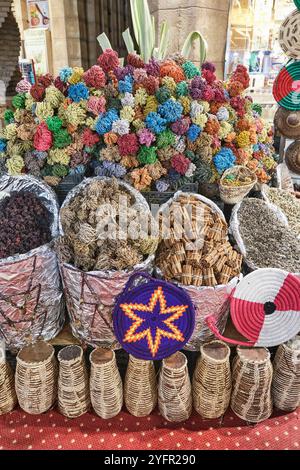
{"x": 154, "y": 320}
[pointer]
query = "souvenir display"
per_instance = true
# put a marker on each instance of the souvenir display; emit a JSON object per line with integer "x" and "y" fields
{"x": 285, "y": 89}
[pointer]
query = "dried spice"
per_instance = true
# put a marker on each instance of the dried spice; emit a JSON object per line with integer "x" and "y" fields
{"x": 201, "y": 254}
{"x": 289, "y": 205}
{"x": 268, "y": 242}
{"x": 25, "y": 224}
{"x": 90, "y": 243}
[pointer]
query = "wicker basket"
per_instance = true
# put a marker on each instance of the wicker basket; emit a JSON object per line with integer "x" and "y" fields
{"x": 212, "y": 380}
{"x": 174, "y": 389}
{"x": 286, "y": 380}
{"x": 288, "y": 123}
{"x": 8, "y": 397}
{"x": 292, "y": 157}
{"x": 158, "y": 199}
{"x": 235, "y": 194}
{"x": 36, "y": 378}
{"x": 252, "y": 378}
{"x": 106, "y": 386}
{"x": 140, "y": 390}
{"x": 73, "y": 384}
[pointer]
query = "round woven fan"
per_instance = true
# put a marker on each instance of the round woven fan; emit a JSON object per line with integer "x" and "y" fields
{"x": 289, "y": 35}
{"x": 288, "y": 123}
{"x": 265, "y": 309}
{"x": 297, "y": 3}
{"x": 292, "y": 157}
{"x": 154, "y": 320}
{"x": 286, "y": 88}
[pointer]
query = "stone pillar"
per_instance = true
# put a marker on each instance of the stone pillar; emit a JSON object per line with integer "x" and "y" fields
{"x": 210, "y": 17}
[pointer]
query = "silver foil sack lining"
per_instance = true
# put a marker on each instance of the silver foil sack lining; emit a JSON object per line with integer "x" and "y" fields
{"x": 31, "y": 300}
{"x": 90, "y": 297}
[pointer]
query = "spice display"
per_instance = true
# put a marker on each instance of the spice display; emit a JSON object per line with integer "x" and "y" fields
{"x": 160, "y": 124}
{"x": 201, "y": 255}
{"x": 289, "y": 205}
{"x": 94, "y": 237}
{"x": 269, "y": 243}
{"x": 25, "y": 223}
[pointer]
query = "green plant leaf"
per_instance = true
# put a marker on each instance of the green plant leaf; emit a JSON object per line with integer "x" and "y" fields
{"x": 128, "y": 41}
{"x": 135, "y": 20}
{"x": 163, "y": 40}
{"x": 104, "y": 42}
{"x": 143, "y": 27}
{"x": 187, "y": 47}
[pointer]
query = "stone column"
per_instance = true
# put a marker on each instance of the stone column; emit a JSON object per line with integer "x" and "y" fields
{"x": 210, "y": 17}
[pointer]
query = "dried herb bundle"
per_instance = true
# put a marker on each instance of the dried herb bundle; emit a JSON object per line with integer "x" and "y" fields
{"x": 268, "y": 242}
{"x": 201, "y": 254}
{"x": 25, "y": 224}
{"x": 94, "y": 237}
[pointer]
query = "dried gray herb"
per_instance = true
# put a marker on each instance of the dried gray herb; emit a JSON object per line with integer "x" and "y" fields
{"x": 268, "y": 242}
{"x": 289, "y": 205}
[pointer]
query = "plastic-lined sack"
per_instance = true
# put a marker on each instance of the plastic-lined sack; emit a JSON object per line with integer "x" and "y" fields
{"x": 31, "y": 304}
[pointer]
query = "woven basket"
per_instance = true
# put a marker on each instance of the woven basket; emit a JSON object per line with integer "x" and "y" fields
{"x": 36, "y": 378}
{"x": 252, "y": 378}
{"x": 292, "y": 157}
{"x": 174, "y": 389}
{"x": 8, "y": 397}
{"x": 106, "y": 386}
{"x": 212, "y": 380}
{"x": 288, "y": 123}
{"x": 73, "y": 384}
{"x": 235, "y": 194}
{"x": 286, "y": 380}
{"x": 140, "y": 391}
{"x": 289, "y": 35}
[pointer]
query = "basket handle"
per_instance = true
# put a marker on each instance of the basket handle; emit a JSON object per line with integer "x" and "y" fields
{"x": 211, "y": 323}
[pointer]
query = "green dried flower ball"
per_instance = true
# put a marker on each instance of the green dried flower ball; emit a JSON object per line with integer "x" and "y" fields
{"x": 190, "y": 70}
{"x": 61, "y": 171}
{"x": 18, "y": 101}
{"x": 165, "y": 139}
{"x": 62, "y": 139}
{"x": 54, "y": 123}
{"x": 147, "y": 155}
{"x": 8, "y": 116}
{"x": 182, "y": 89}
{"x": 163, "y": 94}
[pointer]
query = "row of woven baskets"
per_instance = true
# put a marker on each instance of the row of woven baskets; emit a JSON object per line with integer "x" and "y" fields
{"x": 251, "y": 387}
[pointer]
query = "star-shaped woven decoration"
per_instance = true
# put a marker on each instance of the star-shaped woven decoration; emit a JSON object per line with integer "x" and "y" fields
{"x": 156, "y": 320}
{"x": 153, "y": 317}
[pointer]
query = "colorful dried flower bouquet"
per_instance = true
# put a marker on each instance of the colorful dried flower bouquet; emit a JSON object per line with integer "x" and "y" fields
{"x": 157, "y": 125}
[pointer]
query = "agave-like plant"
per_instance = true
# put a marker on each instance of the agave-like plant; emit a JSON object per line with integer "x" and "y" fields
{"x": 145, "y": 36}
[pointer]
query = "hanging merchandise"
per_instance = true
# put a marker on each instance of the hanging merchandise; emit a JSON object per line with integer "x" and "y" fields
{"x": 265, "y": 308}
{"x": 154, "y": 320}
{"x": 289, "y": 35}
{"x": 287, "y": 123}
{"x": 292, "y": 157}
{"x": 286, "y": 88}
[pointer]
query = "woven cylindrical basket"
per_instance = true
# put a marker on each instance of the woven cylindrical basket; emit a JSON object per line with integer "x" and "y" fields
{"x": 36, "y": 378}
{"x": 286, "y": 379}
{"x": 106, "y": 386}
{"x": 174, "y": 389}
{"x": 140, "y": 391}
{"x": 8, "y": 397}
{"x": 288, "y": 123}
{"x": 212, "y": 380}
{"x": 292, "y": 157}
{"x": 252, "y": 378}
{"x": 73, "y": 383}
{"x": 235, "y": 194}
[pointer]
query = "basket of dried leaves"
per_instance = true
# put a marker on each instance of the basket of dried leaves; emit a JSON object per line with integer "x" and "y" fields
{"x": 105, "y": 237}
